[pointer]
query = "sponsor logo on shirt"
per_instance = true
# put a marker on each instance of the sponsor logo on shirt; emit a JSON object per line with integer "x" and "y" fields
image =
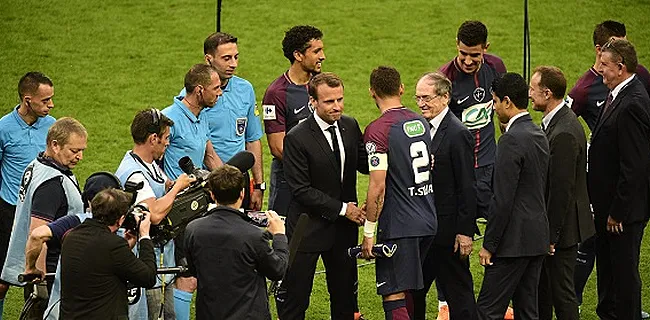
{"x": 371, "y": 147}
{"x": 24, "y": 183}
{"x": 297, "y": 111}
{"x": 269, "y": 112}
{"x": 600, "y": 103}
{"x": 477, "y": 116}
{"x": 414, "y": 128}
{"x": 460, "y": 101}
{"x": 479, "y": 94}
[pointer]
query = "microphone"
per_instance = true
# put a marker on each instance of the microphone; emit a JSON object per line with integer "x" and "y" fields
{"x": 243, "y": 160}
{"x": 186, "y": 164}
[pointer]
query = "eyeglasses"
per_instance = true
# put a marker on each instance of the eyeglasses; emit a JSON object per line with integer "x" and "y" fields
{"x": 610, "y": 45}
{"x": 425, "y": 99}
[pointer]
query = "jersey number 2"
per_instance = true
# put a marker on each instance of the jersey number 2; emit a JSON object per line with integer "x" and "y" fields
{"x": 420, "y": 155}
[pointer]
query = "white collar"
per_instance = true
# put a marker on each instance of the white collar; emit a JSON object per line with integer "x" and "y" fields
{"x": 517, "y": 116}
{"x": 322, "y": 124}
{"x": 546, "y": 120}
{"x": 435, "y": 122}
{"x": 620, "y": 86}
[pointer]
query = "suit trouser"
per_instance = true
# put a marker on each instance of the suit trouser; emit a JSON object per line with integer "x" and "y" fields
{"x": 341, "y": 275}
{"x": 556, "y": 288}
{"x": 619, "y": 282}
{"x": 453, "y": 277}
{"x": 510, "y": 278}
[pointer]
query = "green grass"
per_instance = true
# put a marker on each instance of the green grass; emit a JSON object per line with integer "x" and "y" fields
{"x": 109, "y": 59}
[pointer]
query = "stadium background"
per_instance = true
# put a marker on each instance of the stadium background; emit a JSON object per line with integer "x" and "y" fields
{"x": 109, "y": 59}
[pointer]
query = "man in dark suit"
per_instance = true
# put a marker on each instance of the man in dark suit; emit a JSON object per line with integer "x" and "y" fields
{"x": 96, "y": 263}
{"x": 454, "y": 185}
{"x": 567, "y": 202}
{"x": 516, "y": 237}
{"x": 619, "y": 158}
{"x": 321, "y": 158}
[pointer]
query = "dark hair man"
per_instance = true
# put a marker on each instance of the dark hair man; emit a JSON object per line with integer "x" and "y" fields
{"x": 22, "y": 138}
{"x": 96, "y": 263}
{"x": 454, "y": 185}
{"x": 399, "y": 200}
{"x": 190, "y": 136}
{"x": 516, "y": 237}
{"x": 321, "y": 158}
{"x": 471, "y": 73}
{"x": 234, "y": 120}
{"x": 48, "y": 191}
{"x": 232, "y": 258}
{"x": 286, "y": 102}
{"x": 150, "y": 131}
{"x": 567, "y": 201}
{"x": 53, "y": 233}
{"x": 619, "y": 158}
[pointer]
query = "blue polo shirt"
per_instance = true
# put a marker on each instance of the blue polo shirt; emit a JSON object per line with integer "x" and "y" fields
{"x": 20, "y": 143}
{"x": 233, "y": 120}
{"x": 187, "y": 137}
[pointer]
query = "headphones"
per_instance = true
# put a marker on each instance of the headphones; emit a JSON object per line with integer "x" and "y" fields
{"x": 154, "y": 127}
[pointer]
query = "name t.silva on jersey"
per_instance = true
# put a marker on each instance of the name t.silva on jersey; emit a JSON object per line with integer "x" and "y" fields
{"x": 421, "y": 191}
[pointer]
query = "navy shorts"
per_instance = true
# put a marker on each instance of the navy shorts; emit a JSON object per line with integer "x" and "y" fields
{"x": 280, "y": 194}
{"x": 402, "y": 271}
{"x": 484, "y": 190}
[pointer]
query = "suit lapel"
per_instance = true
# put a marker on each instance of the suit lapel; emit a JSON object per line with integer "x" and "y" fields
{"x": 319, "y": 137}
{"x": 619, "y": 98}
{"x": 556, "y": 119}
{"x": 440, "y": 133}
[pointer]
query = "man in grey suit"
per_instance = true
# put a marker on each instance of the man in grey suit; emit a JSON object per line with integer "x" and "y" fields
{"x": 567, "y": 202}
{"x": 619, "y": 162}
{"x": 516, "y": 238}
{"x": 454, "y": 185}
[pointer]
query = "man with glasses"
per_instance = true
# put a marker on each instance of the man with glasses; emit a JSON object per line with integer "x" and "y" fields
{"x": 619, "y": 158}
{"x": 454, "y": 185}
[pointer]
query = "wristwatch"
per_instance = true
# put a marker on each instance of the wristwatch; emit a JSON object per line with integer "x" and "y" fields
{"x": 260, "y": 186}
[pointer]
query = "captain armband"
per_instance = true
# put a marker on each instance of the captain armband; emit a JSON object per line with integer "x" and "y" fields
{"x": 378, "y": 161}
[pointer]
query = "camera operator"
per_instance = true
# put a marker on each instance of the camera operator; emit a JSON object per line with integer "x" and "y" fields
{"x": 150, "y": 131}
{"x": 96, "y": 263}
{"x": 230, "y": 257}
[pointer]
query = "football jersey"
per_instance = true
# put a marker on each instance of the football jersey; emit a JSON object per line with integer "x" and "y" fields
{"x": 399, "y": 142}
{"x": 589, "y": 94}
{"x": 471, "y": 102}
{"x": 285, "y": 104}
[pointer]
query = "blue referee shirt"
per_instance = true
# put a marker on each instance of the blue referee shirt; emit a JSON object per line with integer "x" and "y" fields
{"x": 20, "y": 143}
{"x": 233, "y": 120}
{"x": 187, "y": 137}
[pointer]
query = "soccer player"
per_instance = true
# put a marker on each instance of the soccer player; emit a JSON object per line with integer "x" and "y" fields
{"x": 22, "y": 137}
{"x": 286, "y": 102}
{"x": 586, "y": 98}
{"x": 400, "y": 200}
{"x": 234, "y": 122}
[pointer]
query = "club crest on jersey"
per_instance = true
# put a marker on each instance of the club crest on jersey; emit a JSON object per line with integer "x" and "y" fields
{"x": 374, "y": 161}
{"x": 479, "y": 94}
{"x": 241, "y": 126}
{"x": 371, "y": 147}
{"x": 414, "y": 128}
{"x": 477, "y": 116}
{"x": 269, "y": 111}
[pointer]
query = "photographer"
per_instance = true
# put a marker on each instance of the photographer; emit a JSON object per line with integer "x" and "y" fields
{"x": 96, "y": 263}
{"x": 150, "y": 131}
{"x": 230, "y": 257}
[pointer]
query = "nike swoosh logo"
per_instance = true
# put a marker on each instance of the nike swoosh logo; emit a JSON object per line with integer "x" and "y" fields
{"x": 297, "y": 111}
{"x": 460, "y": 101}
{"x": 381, "y": 284}
{"x": 599, "y": 103}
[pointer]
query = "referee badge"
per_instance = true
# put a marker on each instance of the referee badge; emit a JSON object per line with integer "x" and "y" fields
{"x": 241, "y": 126}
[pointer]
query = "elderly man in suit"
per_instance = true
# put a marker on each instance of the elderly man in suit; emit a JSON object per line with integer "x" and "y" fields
{"x": 619, "y": 159}
{"x": 321, "y": 158}
{"x": 567, "y": 202}
{"x": 454, "y": 186}
{"x": 516, "y": 237}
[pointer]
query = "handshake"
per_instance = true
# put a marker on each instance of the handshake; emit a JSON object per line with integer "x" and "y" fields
{"x": 356, "y": 214}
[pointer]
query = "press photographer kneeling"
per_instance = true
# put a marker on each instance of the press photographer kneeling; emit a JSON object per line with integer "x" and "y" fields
{"x": 96, "y": 263}
{"x": 231, "y": 257}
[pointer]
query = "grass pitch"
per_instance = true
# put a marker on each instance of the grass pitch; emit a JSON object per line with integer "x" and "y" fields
{"x": 109, "y": 59}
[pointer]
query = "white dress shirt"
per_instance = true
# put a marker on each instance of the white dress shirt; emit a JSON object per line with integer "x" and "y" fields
{"x": 435, "y": 122}
{"x": 324, "y": 126}
{"x": 519, "y": 115}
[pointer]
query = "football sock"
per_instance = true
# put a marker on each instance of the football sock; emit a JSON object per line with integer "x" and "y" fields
{"x": 396, "y": 310}
{"x": 2, "y": 306}
{"x": 182, "y": 302}
{"x": 441, "y": 304}
{"x": 410, "y": 304}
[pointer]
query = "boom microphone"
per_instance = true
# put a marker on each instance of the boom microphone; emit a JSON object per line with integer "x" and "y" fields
{"x": 243, "y": 160}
